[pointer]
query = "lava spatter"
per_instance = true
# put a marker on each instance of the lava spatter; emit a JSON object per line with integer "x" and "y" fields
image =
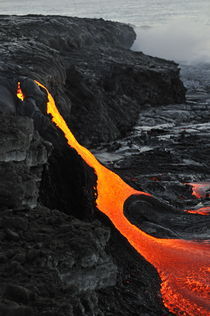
{"x": 182, "y": 265}
{"x": 200, "y": 190}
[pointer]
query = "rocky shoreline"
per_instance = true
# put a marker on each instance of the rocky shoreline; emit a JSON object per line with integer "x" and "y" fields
{"x": 59, "y": 255}
{"x": 98, "y": 83}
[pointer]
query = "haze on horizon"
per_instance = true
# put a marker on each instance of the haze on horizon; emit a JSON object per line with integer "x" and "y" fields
{"x": 166, "y": 28}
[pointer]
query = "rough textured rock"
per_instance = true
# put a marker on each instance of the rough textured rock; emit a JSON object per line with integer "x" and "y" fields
{"x": 115, "y": 86}
{"x": 56, "y": 266}
{"x": 98, "y": 83}
{"x": 22, "y": 157}
{"x": 168, "y": 148}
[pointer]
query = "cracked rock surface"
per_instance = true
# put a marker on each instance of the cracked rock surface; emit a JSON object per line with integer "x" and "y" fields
{"x": 23, "y": 153}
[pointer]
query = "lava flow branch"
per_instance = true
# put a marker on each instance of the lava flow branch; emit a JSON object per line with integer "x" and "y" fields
{"x": 201, "y": 211}
{"x": 183, "y": 265}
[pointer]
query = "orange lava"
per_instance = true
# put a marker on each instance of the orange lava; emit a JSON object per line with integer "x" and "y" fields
{"x": 19, "y": 92}
{"x": 202, "y": 211}
{"x": 199, "y": 189}
{"x": 183, "y": 265}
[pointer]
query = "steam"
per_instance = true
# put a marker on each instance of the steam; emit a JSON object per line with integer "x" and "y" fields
{"x": 179, "y": 40}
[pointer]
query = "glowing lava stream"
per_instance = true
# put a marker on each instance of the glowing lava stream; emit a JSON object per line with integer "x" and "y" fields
{"x": 19, "y": 92}
{"x": 183, "y": 265}
{"x": 201, "y": 211}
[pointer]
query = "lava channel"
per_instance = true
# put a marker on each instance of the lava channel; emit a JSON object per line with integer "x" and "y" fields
{"x": 183, "y": 265}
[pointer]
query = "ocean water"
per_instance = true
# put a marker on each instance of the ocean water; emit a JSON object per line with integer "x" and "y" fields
{"x": 137, "y": 12}
{"x": 174, "y": 29}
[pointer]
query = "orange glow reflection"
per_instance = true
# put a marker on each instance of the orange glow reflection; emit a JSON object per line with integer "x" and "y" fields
{"x": 183, "y": 265}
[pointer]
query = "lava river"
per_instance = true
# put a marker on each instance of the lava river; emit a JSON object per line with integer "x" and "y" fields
{"x": 183, "y": 265}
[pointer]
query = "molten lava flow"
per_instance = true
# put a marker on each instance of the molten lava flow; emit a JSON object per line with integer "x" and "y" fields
{"x": 19, "y": 92}
{"x": 182, "y": 265}
{"x": 202, "y": 211}
{"x": 199, "y": 189}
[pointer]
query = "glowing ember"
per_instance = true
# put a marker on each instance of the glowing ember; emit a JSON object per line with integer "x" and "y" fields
{"x": 199, "y": 189}
{"x": 202, "y": 211}
{"x": 182, "y": 265}
{"x": 19, "y": 92}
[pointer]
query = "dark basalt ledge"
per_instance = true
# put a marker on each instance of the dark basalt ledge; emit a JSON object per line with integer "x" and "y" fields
{"x": 51, "y": 263}
{"x": 99, "y": 84}
{"x": 23, "y": 154}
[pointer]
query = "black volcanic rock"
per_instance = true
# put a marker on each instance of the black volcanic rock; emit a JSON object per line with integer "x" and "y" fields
{"x": 51, "y": 262}
{"x": 114, "y": 86}
{"x": 99, "y": 85}
{"x": 57, "y": 265}
{"x": 23, "y": 153}
{"x": 168, "y": 149}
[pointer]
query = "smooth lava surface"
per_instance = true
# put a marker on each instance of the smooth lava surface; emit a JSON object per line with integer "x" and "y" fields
{"x": 183, "y": 266}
